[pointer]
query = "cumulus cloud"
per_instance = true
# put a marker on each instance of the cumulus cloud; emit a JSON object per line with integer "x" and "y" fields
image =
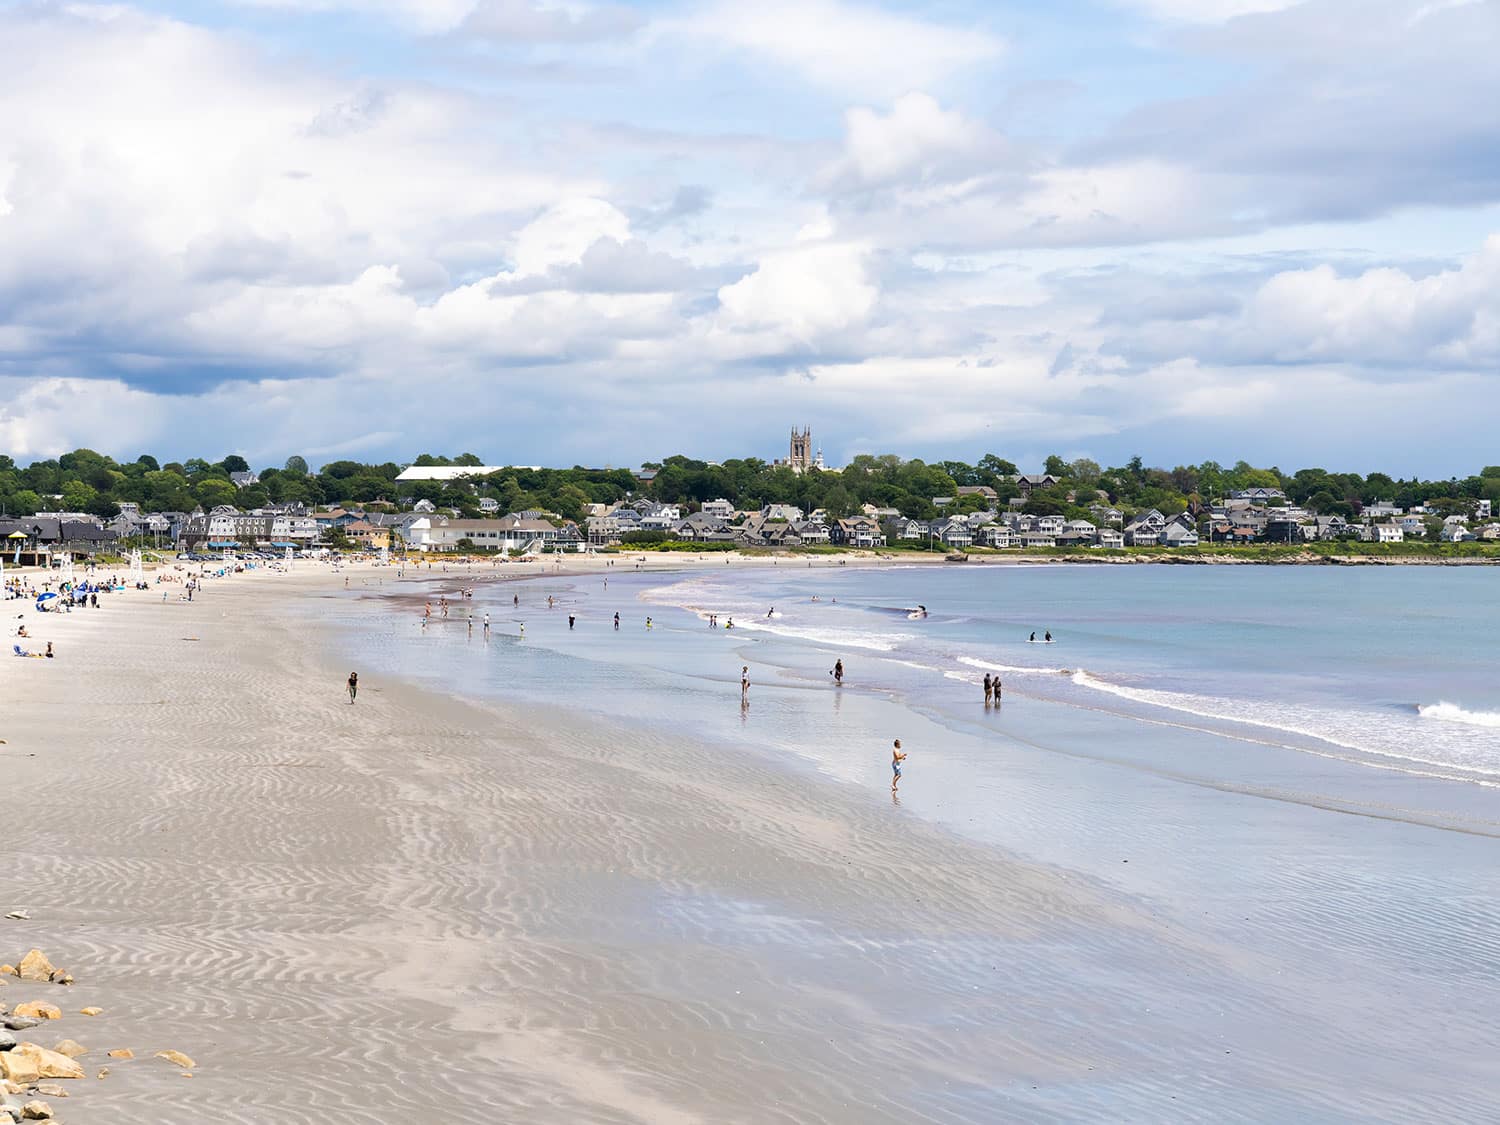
{"x": 848, "y": 47}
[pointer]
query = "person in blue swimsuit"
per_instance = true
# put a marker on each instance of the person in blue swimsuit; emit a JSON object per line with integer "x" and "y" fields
{"x": 897, "y": 757}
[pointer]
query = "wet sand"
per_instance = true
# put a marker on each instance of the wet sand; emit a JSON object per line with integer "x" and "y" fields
{"x": 412, "y": 908}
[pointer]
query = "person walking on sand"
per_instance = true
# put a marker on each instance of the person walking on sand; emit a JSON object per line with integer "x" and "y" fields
{"x": 353, "y": 685}
{"x": 471, "y": 624}
{"x": 898, "y": 756}
{"x": 571, "y": 619}
{"x": 988, "y": 689}
{"x": 486, "y": 626}
{"x": 838, "y": 673}
{"x": 745, "y": 684}
{"x": 617, "y": 622}
{"x": 515, "y": 599}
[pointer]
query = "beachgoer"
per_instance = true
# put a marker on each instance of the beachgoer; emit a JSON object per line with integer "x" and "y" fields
{"x": 729, "y": 624}
{"x": 770, "y": 613}
{"x": 486, "y": 624}
{"x": 515, "y": 599}
{"x": 1033, "y": 636}
{"x": 745, "y": 682}
{"x": 471, "y": 624}
{"x": 988, "y": 689}
{"x": 1048, "y": 637}
{"x": 897, "y": 757}
{"x": 49, "y": 650}
{"x": 617, "y": 622}
{"x": 648, "y": 622}
{"x": 523, "y": 630}
{"x": 353, "y": 685}
{"x": 571, "y": 619}
{"x": 838, "y": 671}
{"x": 997, "y": 688}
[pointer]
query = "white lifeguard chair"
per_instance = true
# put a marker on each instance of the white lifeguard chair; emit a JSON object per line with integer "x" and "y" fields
{"x": 137, "y": 573}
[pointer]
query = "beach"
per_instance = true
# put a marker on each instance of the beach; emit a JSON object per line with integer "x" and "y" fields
{"x": 468, "y": 897}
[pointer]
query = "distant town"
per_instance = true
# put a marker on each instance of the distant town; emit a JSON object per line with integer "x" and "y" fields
{"x": 87, "y": 503}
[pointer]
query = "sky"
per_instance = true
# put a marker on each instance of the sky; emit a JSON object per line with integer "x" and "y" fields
{"x": 555, "y": 232}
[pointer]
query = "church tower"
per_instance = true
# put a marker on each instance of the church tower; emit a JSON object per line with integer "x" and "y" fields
{"x": 800, "y": 455}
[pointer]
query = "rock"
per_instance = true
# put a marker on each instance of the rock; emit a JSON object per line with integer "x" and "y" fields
{"x": 36, "y": 1010}
{"x": 30, "y": 1058}
{"x": 7, "y": 1040}
{"x": 11, "y": 1112}
{"x": 36, "y": 1111}
{"x": 176, "y": 1057}
{"x": 11, "y": 1087}
{"x": 35, "y": 966}
{"x": 61, "y": 976}
{"x": 19, "y": 1023}
{"x": 19, "y": 1067}
{"x": 90, "y": 1011}
{"x": 122, "y": 1053}
{"x": 7, "y": 970}
{"x": 71, "y": 1048}
{"x": 51, "y": 1090}
{"x": 103, "y": 1072}
{"x": 20, "y": 915}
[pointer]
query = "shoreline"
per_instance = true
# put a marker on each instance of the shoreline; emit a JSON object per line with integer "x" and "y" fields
{"x": 416, "y": 906}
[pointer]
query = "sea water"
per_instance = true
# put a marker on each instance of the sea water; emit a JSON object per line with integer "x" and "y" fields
{"x": 1295, "y": 768}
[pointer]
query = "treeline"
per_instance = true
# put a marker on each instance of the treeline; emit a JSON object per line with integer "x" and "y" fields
{"x": 85, "y": 480}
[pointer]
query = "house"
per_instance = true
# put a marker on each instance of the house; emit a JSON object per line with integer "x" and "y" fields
{"x": 983, "y": 490}
{"x": 1258, "y": 495}
{"x": 1106, "y": 514}
{"x": 1176, "y": 534}
{"x": 489, "y": 505}
{"x": 1145, "y": 528}
{"x": 660, "y": 517}
{"x": 878, "y": 513}
{"x": 1456, "y": 533}
{"x": 368, "y": 535}
{"x": 1482, "y": 509}
{"x": 954, "y": 534}
{"x": 997, "y": 535}
{"x": 513, "y": 533}
{"x": 721, "y": 509}
{"x": 1028, "y": 483}
{"x": 1080, "y": 527}
{"x": 1111, "y": 538}
{"x": 908, "y": 531}
{"x": 1050, "y": 525}
{"x": 859, "y": 531}
{"x": 44, "y": 532}
{"x": 1411, "y": 524}
{"x": 1037, "y": 539}
{"x": 787, "y": 512}
{"x": 426, "y": 507}
{"x": 1490, "y": 532}
{"x": 1327, "y": 527}
{"x": 703, "y": 527}
{"x": 602, "y": 530}
{"x": 244, "y": 480}
{"x": 1387, "y": 533}
{"x": 812, "y": 532}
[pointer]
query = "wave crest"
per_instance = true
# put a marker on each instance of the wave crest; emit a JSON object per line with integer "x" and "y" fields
{"x": 1453, "y": 713}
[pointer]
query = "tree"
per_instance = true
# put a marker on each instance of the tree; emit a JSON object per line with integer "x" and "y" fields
{"x": 997, "y": 466}
{"x": 148, "y": 461}
{"x": 468, "y": 459}
{"x": 25, "y": 502}
{"x": 77, "y": 496}
{"x": 1085, "y": 471}
{"x": 1055, "y": 466}
{"x": 296, "y": 465}
{"x": 212, "y": 492}
{"x": 234, "y": 463}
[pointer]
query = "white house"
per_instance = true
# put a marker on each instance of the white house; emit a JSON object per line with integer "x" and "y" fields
{"x": 1112, "y": 538}
{"x": 1387, "y": 533}
{"x": 720, "y": 509}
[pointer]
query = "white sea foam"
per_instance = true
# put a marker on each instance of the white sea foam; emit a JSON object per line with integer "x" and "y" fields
{"x": 1300, "y": 721}
{"x": 995, "y": 666}
{"x": 852, "y": 638}
{"x": 1453, "y": 713}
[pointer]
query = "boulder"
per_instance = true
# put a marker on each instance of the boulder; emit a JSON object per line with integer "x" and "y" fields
{"x": 90, "y": 1011}
{"x": 51, "y": 1090}
{"x": 71, "y": 1047}
{"x": 7, "y": 1040}
{"x": 30, "y": 1057}
{"x": 10, "y": 1112}
{"x": 19, "y": 1067}
{"x": 7, "y": 970}
{"x": 36, "y": 1111}
{"x": 35, "y": 1010}
{"x": 35, "y": 966}
{"x": 19, "y": 1023}
{"x": 122, "y": 1053}
{"x": 61, "y": 976}
{"x": 176, "y": 1057}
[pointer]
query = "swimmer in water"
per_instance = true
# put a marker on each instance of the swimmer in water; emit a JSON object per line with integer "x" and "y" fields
{"x": 1033, "y": 636}
{"x": 838, "y": 672}
{"x": 617, "y": 623}
{"x": 770, "y": 613}
{"x": 1048, "y": 637}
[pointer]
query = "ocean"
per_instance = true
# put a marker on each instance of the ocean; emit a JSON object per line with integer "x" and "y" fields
{"x": 1297, "y": 769}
